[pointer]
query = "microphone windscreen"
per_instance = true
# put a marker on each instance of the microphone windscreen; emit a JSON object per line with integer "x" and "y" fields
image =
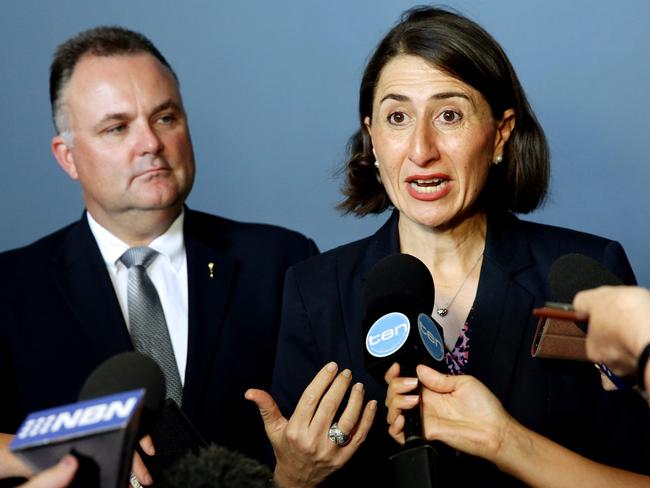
{"x": 129, "y": 371}
{"x": 395, "y": 282}
{"x": 216, "y": 467}
{"x": 572, "y": 273}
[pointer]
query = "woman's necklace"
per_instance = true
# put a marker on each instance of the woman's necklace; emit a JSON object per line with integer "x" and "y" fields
{"x": 443, "y": 311}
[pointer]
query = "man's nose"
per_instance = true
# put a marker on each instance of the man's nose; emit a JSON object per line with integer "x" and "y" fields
{"x": 148, "y": 141}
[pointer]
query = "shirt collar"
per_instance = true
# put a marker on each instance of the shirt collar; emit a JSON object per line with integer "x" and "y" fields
{"x": 170, "y": 244}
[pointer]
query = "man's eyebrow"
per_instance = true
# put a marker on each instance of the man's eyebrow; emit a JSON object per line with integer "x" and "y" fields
{"x": 111, "y": 117}
{"x": 167, "y": 104}
{"x": 123, "y": 116}
{"x": 438, "y": 96}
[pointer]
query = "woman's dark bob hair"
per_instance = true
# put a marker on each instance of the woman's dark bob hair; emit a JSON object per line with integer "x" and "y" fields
{"x": 464, "y": 50}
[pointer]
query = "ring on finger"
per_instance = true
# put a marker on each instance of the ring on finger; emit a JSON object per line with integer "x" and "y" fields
{"x": 337, "y": 436}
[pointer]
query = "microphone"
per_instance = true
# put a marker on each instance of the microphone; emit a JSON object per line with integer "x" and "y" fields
{"x": 399, "y": 297}
{"x": 129, "y": 371}
{"x": 572, "y": 273}
{"x": 172, "y": 433}
{"x": 100, "y": 432}
{"x": 568, "y": 275}
{"x": 217, "y": 467}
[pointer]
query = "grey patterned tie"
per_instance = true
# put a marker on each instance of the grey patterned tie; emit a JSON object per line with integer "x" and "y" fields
{"x": 147, "y": 324}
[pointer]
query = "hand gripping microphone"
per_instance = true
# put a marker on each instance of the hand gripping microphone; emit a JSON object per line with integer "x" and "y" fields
{"x": 568, "y": 275}
{"x": 100, "y": 429}
{"x": 172, "y": 433}
{"x": 399, "y": 297}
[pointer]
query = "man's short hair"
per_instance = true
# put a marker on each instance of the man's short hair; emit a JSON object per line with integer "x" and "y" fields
{"x": 98, "y": 41}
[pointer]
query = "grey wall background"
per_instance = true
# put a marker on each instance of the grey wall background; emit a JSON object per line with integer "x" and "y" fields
{"x": 271, "y": 91}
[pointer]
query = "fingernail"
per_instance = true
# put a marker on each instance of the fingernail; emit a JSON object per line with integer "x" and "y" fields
{"x": 372, "y": 405}
{"x": 331, "y": 367}
{"x": 358, "y": 387}
{"x": 66, "y": 460}
{"x": 347, "y": 373}
{"x": 412, "y": 398}
{"x": 410, "y": 381}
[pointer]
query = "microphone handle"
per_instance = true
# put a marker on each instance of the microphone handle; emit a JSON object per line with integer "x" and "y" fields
{"x": 413, "y": 434}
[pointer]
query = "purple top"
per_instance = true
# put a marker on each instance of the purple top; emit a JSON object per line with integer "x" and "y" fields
{"x": 457, "y": 358}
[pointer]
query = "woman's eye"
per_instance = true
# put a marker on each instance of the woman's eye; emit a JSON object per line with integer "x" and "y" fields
{"x": 449, "y": 117}
{"x": 397, "y": 118}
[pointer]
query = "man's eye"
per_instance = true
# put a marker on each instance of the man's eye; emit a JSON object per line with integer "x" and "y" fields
{"x": 167, "y": 119}
{"x": 450, "y": 117}
{"x": 397, "y": 118}
{"x": 116, "y": 129}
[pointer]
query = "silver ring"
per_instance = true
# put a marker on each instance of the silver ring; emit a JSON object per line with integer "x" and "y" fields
{"x": 337, "y": 436}
{"x": 134, "y": 481}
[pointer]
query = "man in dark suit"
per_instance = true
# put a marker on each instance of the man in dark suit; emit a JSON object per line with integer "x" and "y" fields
{"x": 122, "y": 132}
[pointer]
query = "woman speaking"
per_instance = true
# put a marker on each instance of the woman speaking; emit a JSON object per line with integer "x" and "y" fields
{"x": 447, "y": 140}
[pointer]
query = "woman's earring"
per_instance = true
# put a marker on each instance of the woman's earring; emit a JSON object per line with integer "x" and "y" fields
{"x": 376, "y": 164}
{"x": 498, "y": 159}
{"x": 377, "y": 175}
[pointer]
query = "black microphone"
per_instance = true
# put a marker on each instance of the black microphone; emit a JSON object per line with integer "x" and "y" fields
{"x": 568, "y": 275}
{"x": 172, "y": 433}
{"x": 129, "y": 371}
{"x": 573, "y": 273}
{"x": 102, "y": 428}
{"x": 216, "y": 467}
{"x": 399, "y": 297}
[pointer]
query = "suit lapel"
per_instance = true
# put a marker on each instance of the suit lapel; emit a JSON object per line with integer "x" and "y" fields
{"x": 80, "y": 275}
{"x": 503, "y": 305}
{"x": 210, "y": 273}
{"x": 351, "y": 285}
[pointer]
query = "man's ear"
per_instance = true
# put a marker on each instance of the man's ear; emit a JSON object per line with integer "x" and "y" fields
{"x": 63, "y": 154}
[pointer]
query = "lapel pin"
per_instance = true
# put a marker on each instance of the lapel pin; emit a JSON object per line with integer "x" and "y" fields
{"x": 211, "y": 269}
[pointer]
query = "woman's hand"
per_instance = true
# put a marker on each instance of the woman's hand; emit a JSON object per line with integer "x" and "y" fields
{"x": 457, "y": 410}
{"x": 461, "y": 412}
{"x": 304, "y": 452}
{"x": 397, "y": 400}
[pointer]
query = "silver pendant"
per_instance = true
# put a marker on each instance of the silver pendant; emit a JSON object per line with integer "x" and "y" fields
{"x": 442, "y": 311}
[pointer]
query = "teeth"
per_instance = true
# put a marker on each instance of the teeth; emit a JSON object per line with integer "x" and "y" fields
{"x": 439, "y": 185}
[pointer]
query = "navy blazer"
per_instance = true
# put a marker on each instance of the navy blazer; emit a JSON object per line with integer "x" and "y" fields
{"x": 322, "y": 316}
{"x": 60, "y": 318}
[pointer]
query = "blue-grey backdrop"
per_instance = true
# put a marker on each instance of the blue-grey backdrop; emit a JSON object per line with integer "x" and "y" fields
{"x": 271, "y": 90}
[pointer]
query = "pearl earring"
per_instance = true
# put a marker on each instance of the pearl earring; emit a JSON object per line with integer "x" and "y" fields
{"x": 498, "y": 159}
{"x": 376, "y": 164}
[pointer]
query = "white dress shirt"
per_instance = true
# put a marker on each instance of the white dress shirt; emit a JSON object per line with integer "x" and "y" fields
{"x": 168, "y": 272}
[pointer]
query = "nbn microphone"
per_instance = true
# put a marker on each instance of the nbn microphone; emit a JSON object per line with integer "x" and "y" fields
{"x": 100, "y": 432}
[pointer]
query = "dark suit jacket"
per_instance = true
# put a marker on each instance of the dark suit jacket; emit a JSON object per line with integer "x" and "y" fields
{"x": 322, "y": 316}
{"x": 60, "y": 318}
